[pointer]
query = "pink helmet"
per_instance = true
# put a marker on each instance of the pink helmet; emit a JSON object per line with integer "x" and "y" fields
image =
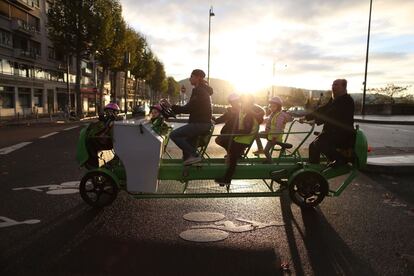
{"x": 157, "y": 107}
{"x": 233, "y": 97}
{"x": 112, "y": 106}
{"x": 276, "y": 100}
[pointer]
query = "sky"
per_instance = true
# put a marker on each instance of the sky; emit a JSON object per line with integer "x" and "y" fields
{"x": 297, "y": 43}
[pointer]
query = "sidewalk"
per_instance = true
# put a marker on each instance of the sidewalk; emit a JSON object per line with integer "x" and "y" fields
{"x": 385, "y": 119}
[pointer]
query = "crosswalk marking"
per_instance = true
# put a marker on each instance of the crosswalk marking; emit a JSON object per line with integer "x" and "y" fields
{"x": 7, "y": 150}
{"x": 48, "y": 135}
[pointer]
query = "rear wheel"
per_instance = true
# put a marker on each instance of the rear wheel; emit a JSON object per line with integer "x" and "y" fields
{"x": 98, "y": 189}
{"x": 308, "y": 189}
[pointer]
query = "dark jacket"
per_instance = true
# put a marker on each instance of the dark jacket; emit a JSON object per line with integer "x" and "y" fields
{"x": 199, "y": 105}
{"x": 229, "y": 118}
{"x": 337, "y": 117}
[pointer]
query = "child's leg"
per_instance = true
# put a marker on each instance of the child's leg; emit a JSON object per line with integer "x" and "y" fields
{"x": 267, "y": 150}
{"x": 259, "y": 142}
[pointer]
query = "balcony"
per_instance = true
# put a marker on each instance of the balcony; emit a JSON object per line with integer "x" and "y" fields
{"x": 25, "y": 4}
{"x": 23, "y": 54}
{"x": 23, "y": 27}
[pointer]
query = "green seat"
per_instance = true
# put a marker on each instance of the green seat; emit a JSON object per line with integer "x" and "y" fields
{"x": 202, "y": 143}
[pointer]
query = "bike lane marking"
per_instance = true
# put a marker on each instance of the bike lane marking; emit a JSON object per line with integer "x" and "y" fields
{"x": 69, "y": 128}
{"x": 48, "y": 135}
{"x": 7, "y": 150}
{"x": 7, "y": 222}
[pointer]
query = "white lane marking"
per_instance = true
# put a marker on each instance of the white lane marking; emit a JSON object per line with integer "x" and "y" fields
{"x": 7, "y": 222}
{"x": 13, "y": 148}
{"x": 48, "y": 135}
{"x": 71, "y": 187}
{"x": 69, "y": 128}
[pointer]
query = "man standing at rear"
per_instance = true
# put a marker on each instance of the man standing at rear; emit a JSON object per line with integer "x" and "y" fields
{"x": 199, "y": 123}
{"x": 337, "y": 116}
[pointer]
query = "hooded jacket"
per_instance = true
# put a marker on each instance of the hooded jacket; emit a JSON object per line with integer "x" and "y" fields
{"x": 199, "y": 105}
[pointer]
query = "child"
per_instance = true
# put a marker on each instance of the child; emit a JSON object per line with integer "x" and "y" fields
{"x": 99, "y": 134}
{"x": 157, "y": 120}
{"x": 275, "y": 123}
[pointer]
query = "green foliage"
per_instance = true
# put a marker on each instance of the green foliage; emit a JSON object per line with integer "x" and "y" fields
{"x": 68, "y": 25}
{"x": 173, "y": 88}
{"x": 157, "y": 81}
{"x": 296, "y": 97}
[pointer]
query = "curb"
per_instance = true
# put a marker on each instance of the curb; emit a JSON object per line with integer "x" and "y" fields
{"x": 383, "y": 122}
{"x": 389, "y": 168}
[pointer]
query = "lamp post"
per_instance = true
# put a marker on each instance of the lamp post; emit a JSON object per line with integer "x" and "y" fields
{"x": 127, "y": 58}
{"x": 210, "y": 14}
{"x": 366, "y": 60}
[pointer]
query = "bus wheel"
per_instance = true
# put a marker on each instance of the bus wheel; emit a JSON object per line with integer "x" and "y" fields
{"x": 98, "y": 189}
{"x": 308, "y": 189}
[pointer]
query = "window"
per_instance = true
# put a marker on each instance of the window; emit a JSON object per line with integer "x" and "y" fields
{"x": 22, "y": 70}
{"x": 38, "y": 97}
{"x": 38, "y": 73}
{"x": 5, "y": 67}
{"x": 5, "y": 38}
{"x": 34, "y": 23}
{"x": 6, "y": 97}
{"x": 51, "y": 52}
{"x": 35, "y": 3}
{"x": 35, "y": 48}
{"x": 24, "y": 97}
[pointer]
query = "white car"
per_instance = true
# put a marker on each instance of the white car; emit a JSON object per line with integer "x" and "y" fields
{"x": 297, "y": 111}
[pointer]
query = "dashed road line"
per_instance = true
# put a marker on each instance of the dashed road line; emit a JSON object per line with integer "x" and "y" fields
{"x": 48, "y": 135}
{"x": 69, "y": 128}
{"x": 7, "y": 150}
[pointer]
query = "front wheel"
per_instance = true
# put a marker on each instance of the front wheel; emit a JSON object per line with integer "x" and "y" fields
{"x": 98, "y": 189}
{"x": 308, "y": 189}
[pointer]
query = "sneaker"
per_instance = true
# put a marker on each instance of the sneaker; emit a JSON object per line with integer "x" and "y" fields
{"x": 221, "y": 182}
{"x": 192, "y": 160}
{"x": 258, "y": 152}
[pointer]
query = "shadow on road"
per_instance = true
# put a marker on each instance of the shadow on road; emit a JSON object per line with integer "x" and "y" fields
{"x": 328, "y": 254}
{"x": 43, "y": 245}
{"x": 107, "y": 255}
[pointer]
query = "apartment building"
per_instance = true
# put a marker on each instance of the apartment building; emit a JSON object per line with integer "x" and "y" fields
{"x": 33, "y": 74}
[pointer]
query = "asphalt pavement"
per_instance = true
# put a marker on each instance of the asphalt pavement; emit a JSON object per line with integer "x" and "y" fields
{"x": 365, "y": 231}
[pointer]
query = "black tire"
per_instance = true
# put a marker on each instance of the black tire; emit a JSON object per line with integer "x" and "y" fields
{"x": 308, "y": 189}
{"x": 98, "y": 189}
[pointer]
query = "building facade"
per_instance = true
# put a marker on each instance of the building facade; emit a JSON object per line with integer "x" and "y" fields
{"x": 33, "y": 75}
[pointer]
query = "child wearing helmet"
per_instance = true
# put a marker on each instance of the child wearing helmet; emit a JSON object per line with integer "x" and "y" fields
{"x": 275, "y": 127}
{"x": 99, "y": 134}
{"x": 157, "y": 120}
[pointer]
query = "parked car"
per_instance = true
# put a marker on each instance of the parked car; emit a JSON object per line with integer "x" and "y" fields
{"x": 297, "y": 111}
{"x": 138, "y": 110}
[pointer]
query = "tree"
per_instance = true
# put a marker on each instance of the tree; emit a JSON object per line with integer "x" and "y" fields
{"x": 69, "y": 28}
{"x": 390, "y": 91}
{"x": 108, "y": 30}
{"x": 296, "y": 98}
{"x": 173, "y": 88}
{"x": 157, "y": 81}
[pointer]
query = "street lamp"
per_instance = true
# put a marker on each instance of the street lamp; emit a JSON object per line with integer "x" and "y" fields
{"x": 366, "y": 60}
{"x": 210, "y": 14}
{"x": 127, "y": 59}
{"x": 273, "y": 77}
